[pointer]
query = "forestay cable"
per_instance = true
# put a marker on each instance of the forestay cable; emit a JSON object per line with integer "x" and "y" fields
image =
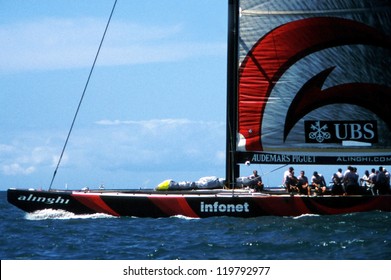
{"x": 82, "y": 96}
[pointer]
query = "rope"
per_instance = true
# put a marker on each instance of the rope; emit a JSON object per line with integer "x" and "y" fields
{"x": 271, "y": 171}
{"x": 82, "y": 96}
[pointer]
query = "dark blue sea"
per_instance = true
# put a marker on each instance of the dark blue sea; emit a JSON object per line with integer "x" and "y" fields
{"x": 53, "y": 235}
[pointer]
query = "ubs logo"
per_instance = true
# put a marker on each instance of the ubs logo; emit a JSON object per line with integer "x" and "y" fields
{"x": 339, "y": 131}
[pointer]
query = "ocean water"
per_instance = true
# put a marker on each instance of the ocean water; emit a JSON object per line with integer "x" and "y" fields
{"x": 55, "y": 235}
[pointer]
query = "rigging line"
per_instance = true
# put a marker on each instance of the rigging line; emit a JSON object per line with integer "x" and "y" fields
{"x": 82, "y": 96}
{"x": 256, "y": 12}
{"x": 271, "y": 171}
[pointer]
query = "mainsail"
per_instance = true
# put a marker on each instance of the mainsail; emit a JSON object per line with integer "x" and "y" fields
{"x": 313, "y": 82}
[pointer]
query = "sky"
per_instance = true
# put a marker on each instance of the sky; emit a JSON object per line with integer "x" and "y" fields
{"x": 154, "y": 108}
{"x": 155, "y": 105}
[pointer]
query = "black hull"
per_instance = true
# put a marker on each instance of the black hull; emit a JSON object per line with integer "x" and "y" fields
{"x": 196, "y": 204}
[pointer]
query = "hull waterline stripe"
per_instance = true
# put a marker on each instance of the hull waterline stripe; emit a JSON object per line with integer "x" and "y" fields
{"x": 94, "y": 202}
{"x": 174, "y": 206}
{"x": 381, "y": 203}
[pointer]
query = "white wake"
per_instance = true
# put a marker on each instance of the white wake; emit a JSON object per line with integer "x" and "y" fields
{"x": 51, "y": 214}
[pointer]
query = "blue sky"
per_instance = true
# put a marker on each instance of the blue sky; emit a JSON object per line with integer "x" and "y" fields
{"x": 155, "y": 105}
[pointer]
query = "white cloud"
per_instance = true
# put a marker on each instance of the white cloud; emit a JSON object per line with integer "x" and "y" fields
{"x": 68, "y": 43}
{"x": 117, "y": 152}
{"x": 26, "y": 155}
{"x": 148, "y": 123}
{"x": 165, "y": 139}
{"x": 16, "y": 169}
{"x": 5, "y": 149}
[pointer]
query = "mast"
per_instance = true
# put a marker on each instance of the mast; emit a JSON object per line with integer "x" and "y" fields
{"x": 232, "y": 168}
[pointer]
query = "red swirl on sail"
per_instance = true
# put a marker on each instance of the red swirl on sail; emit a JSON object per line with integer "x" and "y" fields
{"x": 274, "y": 53}
{"x": 376, "y": 98}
